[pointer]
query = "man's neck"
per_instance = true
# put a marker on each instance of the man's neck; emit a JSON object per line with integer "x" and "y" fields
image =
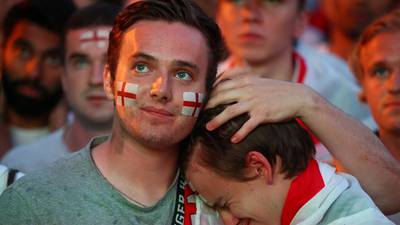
{"x": 77, "y": 135}
{"x": 392, "y": 142}
{"x": 278, "y": 68}
{"x": 340, "y": 44}
{"x": 142, "y": 174}
{"x": 21, "y": 121}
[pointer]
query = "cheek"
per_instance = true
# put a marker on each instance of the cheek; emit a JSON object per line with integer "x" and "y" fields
{"x": 52, "y": 75}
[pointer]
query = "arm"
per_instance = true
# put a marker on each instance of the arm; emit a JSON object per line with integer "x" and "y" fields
{"x": 353, "y": 144}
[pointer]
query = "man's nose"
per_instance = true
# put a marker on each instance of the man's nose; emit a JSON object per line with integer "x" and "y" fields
{"x": 394, "y": 83}
{"x": 161, "y": 89}
{"x": 32, "y": 68}
{"x": 96, "y": 74}
{"x": 251, "y": 10}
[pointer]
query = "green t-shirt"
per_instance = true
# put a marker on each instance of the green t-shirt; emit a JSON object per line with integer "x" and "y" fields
{"x": 73, "y": 192}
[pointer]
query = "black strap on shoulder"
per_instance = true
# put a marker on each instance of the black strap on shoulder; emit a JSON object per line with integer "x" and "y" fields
{"x": 179, "y": 211}
{"x": 12, "y": 175}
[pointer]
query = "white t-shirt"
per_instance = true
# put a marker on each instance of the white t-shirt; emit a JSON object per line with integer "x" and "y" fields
{"x": 38, "y": 154}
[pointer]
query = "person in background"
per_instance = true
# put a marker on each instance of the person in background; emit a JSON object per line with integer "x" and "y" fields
{"x": 261, "y": 35}
{"x": 347, "y": 20}
{"x": 92, "y": 112}
{"x": 31, "y": 72}
{"x": 376, "y": 64}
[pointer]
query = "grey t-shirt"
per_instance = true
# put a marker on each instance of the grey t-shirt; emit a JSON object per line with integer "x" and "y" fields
{"x": 73, "y": 191}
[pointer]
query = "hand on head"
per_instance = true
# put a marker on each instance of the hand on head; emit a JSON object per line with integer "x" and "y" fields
{"x": 265, "y": 100}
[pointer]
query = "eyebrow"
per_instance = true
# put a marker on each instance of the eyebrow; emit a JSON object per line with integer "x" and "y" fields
{"x": 76, "y": 54}
{"x": 192, "y": 66}
{"x": 144, "y": 55}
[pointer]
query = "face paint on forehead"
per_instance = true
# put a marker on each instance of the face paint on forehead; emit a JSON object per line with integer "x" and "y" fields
{"x": 126, "y": 93}
{"x": 98, "y": 37}
{"x": 192, "y": 102}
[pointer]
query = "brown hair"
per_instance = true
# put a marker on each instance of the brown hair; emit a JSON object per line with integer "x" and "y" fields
{"x": 386, "y": 24}
{"x": 184, "y": 11}
{"x": 288, "y": 140}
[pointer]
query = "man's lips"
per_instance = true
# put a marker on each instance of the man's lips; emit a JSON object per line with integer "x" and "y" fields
{"x": 156, "y": 111}
{"x": 29, "y": 91}
{"x": 250, "y": 36}
{"x": 393, "y": 104}
{"x": 97, "y": 98}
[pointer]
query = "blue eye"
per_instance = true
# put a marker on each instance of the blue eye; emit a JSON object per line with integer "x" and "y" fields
{"x": 78, "y": 62}
{"x": 141, "y": 68}
{"x": 183, "y": 75}
{"x": 381, "y": 72}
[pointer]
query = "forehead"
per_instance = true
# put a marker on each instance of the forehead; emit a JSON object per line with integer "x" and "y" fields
{"x": 384, "y": 47}
{"x": 166, "y": 41}
{"x": 75, "y": 38}
{"x": 34, "y": 33}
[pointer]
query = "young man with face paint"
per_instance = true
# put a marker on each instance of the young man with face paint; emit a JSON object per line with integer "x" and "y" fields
{"x": 162, "y": 59}
{"x": 85, "y": 50}
{"x": 271, "y": 177}
{"x": 31, "y": 71}
{"x": 259, "y": 35}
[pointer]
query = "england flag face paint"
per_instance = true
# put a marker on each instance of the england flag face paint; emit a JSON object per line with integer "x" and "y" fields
{"x": 192, "y": 103}
{"x": 98, "y": 37}
{"x": 126, "y": 93}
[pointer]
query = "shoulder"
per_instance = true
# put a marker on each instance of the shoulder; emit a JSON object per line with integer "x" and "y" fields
{"x": 25, "y": 157}
{"x": 354, "y": 206}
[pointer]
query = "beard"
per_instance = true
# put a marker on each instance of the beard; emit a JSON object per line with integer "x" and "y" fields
{"x": 27, "y": 106}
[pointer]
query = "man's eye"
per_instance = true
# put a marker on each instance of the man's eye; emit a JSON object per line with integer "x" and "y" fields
{"x": 24, "y": 52}
{"x": 141, "y": 68}
{"x": 80, "y": 63}
{"x": 381, "y": 72}
{"x": 183, "y": 75}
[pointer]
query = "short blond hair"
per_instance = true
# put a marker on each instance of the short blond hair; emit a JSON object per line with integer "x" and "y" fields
{"x": 388, "y": 23}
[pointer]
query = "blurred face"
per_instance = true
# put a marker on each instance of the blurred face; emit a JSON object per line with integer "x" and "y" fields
{"x": 164, "y": 60}
{"x": 237, "y": 202}
{"x": 83, "y": 82}
{"x": 259, "y": 30}
{"x": 32, "y": 69}
{"x": 353, "y": 16}
{"x": 380, "y": 61}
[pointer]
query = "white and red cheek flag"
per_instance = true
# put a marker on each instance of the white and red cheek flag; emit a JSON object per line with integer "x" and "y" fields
{"x": 126, "y": 93}
{"x": 97, "y": 37}
{"x": 192, "y": 102}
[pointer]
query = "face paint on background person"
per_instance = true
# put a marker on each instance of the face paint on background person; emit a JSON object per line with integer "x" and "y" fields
{"x": 192, "y": 103}
{"x": 126, "y": 93}
{"x": 98, "y": 37}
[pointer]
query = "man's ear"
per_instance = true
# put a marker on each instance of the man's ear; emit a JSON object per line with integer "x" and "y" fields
{"x": 362, "y": 96}
{"x": 108, "y": 83}
{"x": 259, "y": 166}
